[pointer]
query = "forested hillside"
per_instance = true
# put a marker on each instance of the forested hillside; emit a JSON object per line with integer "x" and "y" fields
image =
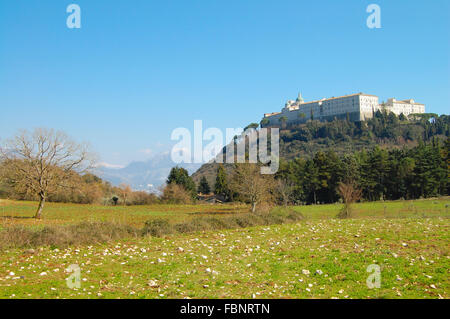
{"x": 381, "y": 174}
{"x": 385, "y": 130}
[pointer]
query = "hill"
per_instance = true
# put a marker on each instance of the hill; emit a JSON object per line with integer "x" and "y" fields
{"x": 385, "y": 130}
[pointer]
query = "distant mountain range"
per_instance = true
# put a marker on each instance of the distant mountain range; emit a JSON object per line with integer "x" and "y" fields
{"x": 143, "y": 176}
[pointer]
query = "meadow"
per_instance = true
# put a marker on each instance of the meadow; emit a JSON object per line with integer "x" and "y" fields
{"x": 21, "y": 212}
{"x": 317, "y": 257}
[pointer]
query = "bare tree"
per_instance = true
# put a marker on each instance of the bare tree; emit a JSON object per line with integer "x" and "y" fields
{"x": 176, "y": 194}
{"x": 43, "y": 161}
{"x": 125, "y": 192}
{"x": 254, "y": 187}
{"x": 284, "y": 190}
{"x": 349, "y": 193}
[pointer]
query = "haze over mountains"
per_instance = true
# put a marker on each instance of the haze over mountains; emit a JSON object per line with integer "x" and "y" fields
{"x": 143, "y": 175}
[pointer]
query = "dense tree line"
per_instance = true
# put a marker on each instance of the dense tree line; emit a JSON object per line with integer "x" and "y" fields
{"x": 421, "y": 171}
{"x": 383, "y": 125}
{"x": 379, "y": 173}
{"x": 386, "y": 130}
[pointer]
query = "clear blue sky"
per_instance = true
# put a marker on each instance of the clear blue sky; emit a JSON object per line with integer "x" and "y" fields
{"x": 138, "y": 69}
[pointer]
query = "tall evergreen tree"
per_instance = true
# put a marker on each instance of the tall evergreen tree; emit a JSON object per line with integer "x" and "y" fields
{"x": 312, "y": 183}
{"x": 221, "y": 186}
{"x": 180, "y": 176}
{"x": 327, "y": 166}
{"x": 203, "y": 187}
{"x": 374, "y": 174}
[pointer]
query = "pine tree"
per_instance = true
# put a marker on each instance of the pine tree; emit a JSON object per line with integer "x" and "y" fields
{"x": 312, "y": 183}
{"x": 203, "y": 187}
{"x": 374, "y": 174}
{"x": 221, "y": 186}
{"x": 422, "y": 171}
{"x": 180, "y": 176}
{"x": 446, "y": 159}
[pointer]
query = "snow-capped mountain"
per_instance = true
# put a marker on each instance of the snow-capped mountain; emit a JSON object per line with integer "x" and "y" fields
{"x": 144, "y": 176}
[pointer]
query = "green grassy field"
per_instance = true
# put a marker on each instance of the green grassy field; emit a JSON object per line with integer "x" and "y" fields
{"x": 21, "y": 213}
{"x": 320, "y": 257}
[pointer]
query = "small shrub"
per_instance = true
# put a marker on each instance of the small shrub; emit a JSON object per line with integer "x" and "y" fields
{"x": 187, "y": 227}
{"x": 176, "y": 194}
{"x": 245, "y": 220}
{"x": 349, "y": 193}
{"x": 157, "y": 228}
{"x": 218, "y": 223}
{"x": 15, "y": 236}
{"x": 83, "y": 233}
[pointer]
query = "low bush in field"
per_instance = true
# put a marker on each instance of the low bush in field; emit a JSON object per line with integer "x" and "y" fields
{"x": 162, "y": 227}
{"x": 157, "y": 227}
{"x": 98, "y": 232}
{"x": 82, "y": 233}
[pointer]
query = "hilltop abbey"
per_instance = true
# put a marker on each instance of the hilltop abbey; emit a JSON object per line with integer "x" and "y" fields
{"x": 355, "y": 107}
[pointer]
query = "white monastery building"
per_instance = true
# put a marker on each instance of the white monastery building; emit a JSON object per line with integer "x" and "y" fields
{"x": 355, "y": 107}
{"x": 406, "y": 107}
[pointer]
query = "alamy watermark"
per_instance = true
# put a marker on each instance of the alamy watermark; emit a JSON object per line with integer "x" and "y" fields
{"x": 249, "y": 146}
{"x": 374, "y": 279}
{"x": 374, "y": 19}
{"x": 74, "y": 280}
{"x": 74, "y": 19}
